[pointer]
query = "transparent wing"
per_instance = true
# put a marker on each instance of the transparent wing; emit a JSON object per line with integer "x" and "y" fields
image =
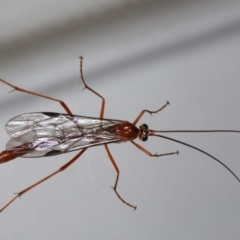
{"x": 50, "y": 134}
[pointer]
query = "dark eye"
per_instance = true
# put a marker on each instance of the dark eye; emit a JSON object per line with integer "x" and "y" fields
{"x": 145, "y": 126}
{"x": 145, "y": 138}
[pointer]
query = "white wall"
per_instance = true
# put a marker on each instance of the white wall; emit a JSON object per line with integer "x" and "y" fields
{"x": 138, "y": 54}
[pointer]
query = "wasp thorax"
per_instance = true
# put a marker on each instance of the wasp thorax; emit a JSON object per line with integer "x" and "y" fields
{"x": 127, "y": 130}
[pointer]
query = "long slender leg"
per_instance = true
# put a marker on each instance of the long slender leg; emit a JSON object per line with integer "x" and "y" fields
{"x": 90, "y": 89}
{"x": 150, "y": 154}
{"x": 44, "y": 179}
{"x": 117, "y": 178}
{"x": 39, "y": 95}
{"x": 150, "y": 112}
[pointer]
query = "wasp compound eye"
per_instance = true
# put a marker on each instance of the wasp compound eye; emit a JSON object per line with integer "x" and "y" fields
{"x": 145, "y": 126}
{"x": 144, "y": 138}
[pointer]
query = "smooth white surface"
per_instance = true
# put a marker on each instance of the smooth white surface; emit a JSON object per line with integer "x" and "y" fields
{"x": 137, "y": 55}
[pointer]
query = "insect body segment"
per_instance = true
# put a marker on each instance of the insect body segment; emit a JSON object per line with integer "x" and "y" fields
{"x": 13, "y": 153}
{"x": 144, "y": 132}
{"x": 127, "y": 131}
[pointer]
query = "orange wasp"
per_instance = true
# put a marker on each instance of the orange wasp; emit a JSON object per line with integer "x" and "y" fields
{"x": 42, "y": 134}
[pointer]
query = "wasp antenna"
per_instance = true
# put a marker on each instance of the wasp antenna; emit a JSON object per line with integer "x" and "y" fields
{"x": 195, "y": 131}
{"x": 198, "y": 149}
